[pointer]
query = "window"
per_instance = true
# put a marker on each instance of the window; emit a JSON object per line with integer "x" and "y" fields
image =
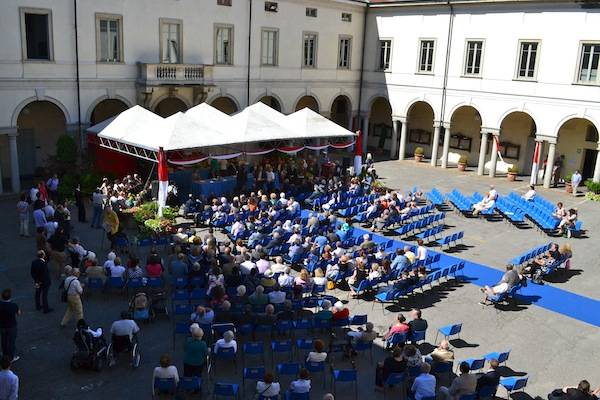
{"x": 460, "y": 142}
{"x": 271, "y": 6}
{"x": 385, "y": 54}
{"x": 224, "y": 3}
{"x": 311, "y": 12}
{"x": 527, "y": 59}
{"x": 474, "y": 55}
{"x": 109, "y": 44}
{"x": 345, "y": 50}
{"x": 36, "y": 33}
{"x": 269, "y": 47}
{"x": 426, "y": 56}
{"x": 170, "y": 42}
{"x": 309, "y": 51}
{"x": 224, "y": 45}
{"x": 588, "y": 63}
{"x": 346, "y": 17}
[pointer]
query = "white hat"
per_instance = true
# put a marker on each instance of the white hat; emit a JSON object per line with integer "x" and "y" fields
{"x": 338, "y": 304}
{"x": 111, "y": 256}
{"x": 268, "y": 273}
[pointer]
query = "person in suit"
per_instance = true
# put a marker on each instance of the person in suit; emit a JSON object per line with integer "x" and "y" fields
{"x": 41, "y": 279}
{"x": 491, "y": 377}
{"x": 466, "y": 383}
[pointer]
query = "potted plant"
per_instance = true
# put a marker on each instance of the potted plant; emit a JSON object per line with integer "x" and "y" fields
{"x": 462, "y": 163}
{"x": 419, "y": 154}
{"x": 512, "y": 173}
{"x": 568, "y": 185}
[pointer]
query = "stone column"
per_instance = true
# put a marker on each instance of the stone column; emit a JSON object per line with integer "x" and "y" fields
{"x": 596, "y": 177}
{"x": 15, "y": 176}
{"x": 493, "y": 156}
{"x": 482, "y": 153}
{"x": 446, "y": 147}
{"x": 549, "y": 164}
{"x": 403, "y": 134}
{"x": 394, "y": 145}
{"x": 436, "y": 144}
{"x": 365, "y": 134}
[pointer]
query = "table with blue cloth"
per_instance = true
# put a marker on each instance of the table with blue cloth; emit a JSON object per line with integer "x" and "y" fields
{"x": 218, "y": 187}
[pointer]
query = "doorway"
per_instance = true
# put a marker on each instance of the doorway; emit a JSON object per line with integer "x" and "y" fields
{"x": 589, "y": 163}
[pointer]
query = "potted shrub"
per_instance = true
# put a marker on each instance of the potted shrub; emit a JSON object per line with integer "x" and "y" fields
{"x": 568, "y": 185}
{"x": 419, "y": 154}
{"x": 462, "y": 163}
{"x": 512, "y": 173}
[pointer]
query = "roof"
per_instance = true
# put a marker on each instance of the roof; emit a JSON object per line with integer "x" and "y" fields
{"x": 205, "y": 126}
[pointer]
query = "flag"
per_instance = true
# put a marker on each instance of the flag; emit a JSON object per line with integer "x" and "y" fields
{"x": 163, "y": 180}
{"x": 498, "y": 147}
{"x": 358, "y": 153}
{"x": 535, "y": 167}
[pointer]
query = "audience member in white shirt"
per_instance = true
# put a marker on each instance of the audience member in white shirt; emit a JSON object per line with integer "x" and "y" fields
{"x": 268, "y": 388}
{"x": 301, "y": 385}
{"x": 166, "y": 370}
{"x": 530, "y": 195}
{"x": 226, "y": 342}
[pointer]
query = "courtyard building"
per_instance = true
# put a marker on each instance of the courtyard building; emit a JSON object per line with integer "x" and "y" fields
{"x": 456, "y": 79}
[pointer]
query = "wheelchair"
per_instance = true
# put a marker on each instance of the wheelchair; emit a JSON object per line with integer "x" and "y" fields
{"x": 90, "y": 352}
{"x": 123, "y": 344}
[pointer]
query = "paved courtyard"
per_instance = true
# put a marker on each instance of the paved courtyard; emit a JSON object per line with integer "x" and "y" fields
{"x": 553, "y": 349}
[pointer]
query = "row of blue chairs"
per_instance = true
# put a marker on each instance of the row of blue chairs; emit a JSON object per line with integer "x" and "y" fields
{"x": 420, "y": 224}
{"x": 459, "y": 201}
{"x": 453, "y": 238}
{"x": 531, "y": 254}
{"x": 435, "y": 197}
{"x": 431, "y": 232}
{"x": 390, "y": 295}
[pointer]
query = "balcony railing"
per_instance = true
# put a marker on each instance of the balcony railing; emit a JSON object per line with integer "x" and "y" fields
{"x": 175, "y": 73}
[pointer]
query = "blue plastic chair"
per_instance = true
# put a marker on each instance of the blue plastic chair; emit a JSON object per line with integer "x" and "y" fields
{"x": 417, "y": 336}
{"x": 288, "y": 369}
{"x": 254, "y": 374}
{"x": 315, "y": 367}
{"x": 116, "y": 283}
{"x": 345, "y": 375}
{"x": 501, "y": 357}
{"x": 394, "y": 379}
{"x": 225, "y": 354}
{"x": 475, "y": 364}
{"x": 154, "y": 283}
{"x": 358, "y": 320}
{"x": 253, "y": 349}
{"x": 395, "y": 340}
{"x": 514, "y": 383}
{"x": 164, "y": 385}
{"x": 280, "y": 346}
{"x": 225, "y": 390}
{"x": 304, "y": 345}
{"x": 190, "y": 384}
{"x": 449, "y": 330}
{"x": 296, "y": 396}
{"x": 364, "y": 346}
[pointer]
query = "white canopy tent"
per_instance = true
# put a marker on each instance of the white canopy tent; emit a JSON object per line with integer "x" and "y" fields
{"x": 140, "y": 133}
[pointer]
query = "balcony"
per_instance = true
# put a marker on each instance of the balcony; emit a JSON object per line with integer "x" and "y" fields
{"x": 174, "y": 74}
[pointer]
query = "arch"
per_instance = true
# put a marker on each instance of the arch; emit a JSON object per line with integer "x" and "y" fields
{"x": 376, "y": 97}
{"x": 167, "y": 96}
{"x": 225, "y": 104}
{"x": 381, "y": 124}
{"x": 32, "y": 99}
{"x": 465, "y": 104}
{"x": 342, "y": 93}
{"x": 40, "y": 123}
{"x": 115, "y": 107}
{"x": 574, "y": 116}
{"x": 273, "y": 96}
{"x": 413, "y": 102}
{"x": 341, "y": 115}
{"x": 516, "y": 109}
{"x": 94, "y": 104}
{"x": 170, "y": 105}
{"x": 307, "y": 100}
{"x": 217, "y": 96}
{"x": 577, "y": 145}
{"x": 420, "y": 119}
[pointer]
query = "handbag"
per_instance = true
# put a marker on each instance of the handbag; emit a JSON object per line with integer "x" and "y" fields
{"x": 64, "y": 296}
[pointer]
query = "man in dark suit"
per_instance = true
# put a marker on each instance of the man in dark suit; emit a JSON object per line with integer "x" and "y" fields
{"x": 490, "y": 378}
{"x": 41, "y": 280}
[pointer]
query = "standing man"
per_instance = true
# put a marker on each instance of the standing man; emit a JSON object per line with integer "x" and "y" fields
{"x": 23, "y": 213}
{"x": 98, "y": 203}
{"x": 576, "y": 181}
{"x": 80, "y": 203}
{"x": 74, "y": 291}
{"x": 8, "y": 325}
{"x": 52, "y": 186}
{"x": 41, "y": 279}
{"x": 9, "y": 382}
{"x": 557, "y": 169}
